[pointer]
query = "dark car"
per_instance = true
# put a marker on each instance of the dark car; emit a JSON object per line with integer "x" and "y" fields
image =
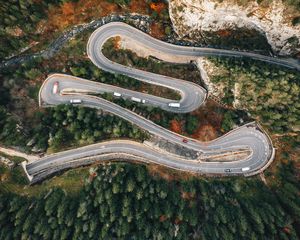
{"x": 228, "y": 170}
{"x": 184, "y": 140}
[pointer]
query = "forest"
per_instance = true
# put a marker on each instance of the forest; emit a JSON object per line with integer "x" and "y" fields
{"x": 130, "y": 201}
{"x": 18, "y": 22}
{"x": 123, "y": 201}
{"x": 19, "y": 126}
{"x": 64, "y": 126}
{"x": 27, "y": 26}
{"x": 189, "y": 121}
{"x": 269, "y": 93}
{"x": 19, "y": 85}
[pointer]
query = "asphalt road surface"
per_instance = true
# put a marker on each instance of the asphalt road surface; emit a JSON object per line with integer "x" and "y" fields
{"x": 250, "y": 137}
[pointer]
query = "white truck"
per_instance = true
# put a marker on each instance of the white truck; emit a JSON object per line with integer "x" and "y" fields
{"x": 117, "y": 94}
{"x": 245, "y": 169}
{"x": 55, "y": 88}
{"x": 136, "y": 99}
{"x": 75, "y": 101}
{"x": 175, "y": 105}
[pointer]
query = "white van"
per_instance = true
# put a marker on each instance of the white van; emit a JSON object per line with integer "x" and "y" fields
{"x": 117, "y": 94}
{"x": 245, "y": 169}
{"x": 75, "y": 101}
{"x": 136, "y": 99}
{"x": 175, "y": 105}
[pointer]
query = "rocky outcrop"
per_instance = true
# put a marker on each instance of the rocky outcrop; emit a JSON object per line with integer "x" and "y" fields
{"x": 197, "y": 18}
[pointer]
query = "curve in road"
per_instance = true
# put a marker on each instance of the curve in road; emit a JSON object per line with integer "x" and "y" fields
{"x": 249, "y": 137}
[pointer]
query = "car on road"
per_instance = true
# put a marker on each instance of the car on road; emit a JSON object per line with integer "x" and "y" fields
{"x": 245, "y": 169}
{"x": 55, "y": 88}
{"x": 247, "y": 136}
{"x": 136, "y": 99}
{"x": 117, "y": 94}
{"x": 175, "y": 105}
{"x": 75, "y": 101}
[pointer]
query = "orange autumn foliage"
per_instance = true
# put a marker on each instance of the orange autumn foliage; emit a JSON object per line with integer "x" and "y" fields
{"x": 205, "y": 133}
{"x": 139, "y": 6}
{"x": 83, "y": 11}
{"x": 157, "y": 30}
{"x": 116, "y": 42}
{"x": 224, "y": 33}
{"x": 79, "y": 12}
{"x": 175, "y": 126}
{"x": 158, "y": 7}
{"x": 68, "y": 8}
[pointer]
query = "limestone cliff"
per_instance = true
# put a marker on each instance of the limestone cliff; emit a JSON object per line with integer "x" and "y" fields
{"x": 212, "y": 22}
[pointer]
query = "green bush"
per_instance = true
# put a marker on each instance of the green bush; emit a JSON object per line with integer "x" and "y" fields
{"x": 122, "y": 201}
{"x": 268, "y": 92}
{"x": 18, "y": 176}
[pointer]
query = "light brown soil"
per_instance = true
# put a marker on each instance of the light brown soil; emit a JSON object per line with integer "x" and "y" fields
{"x": 156, "y": 170}
{"x": 210, "y": 121}
{"x": 157, "y": 30}
{"x": 168, "y": 174}
{"x": 187, "y": 195}
{"x": 205, "y": 133}
{"x": 176, "y": 126}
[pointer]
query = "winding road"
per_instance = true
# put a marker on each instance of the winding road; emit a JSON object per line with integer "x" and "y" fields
{"x": 249, "y": 138}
